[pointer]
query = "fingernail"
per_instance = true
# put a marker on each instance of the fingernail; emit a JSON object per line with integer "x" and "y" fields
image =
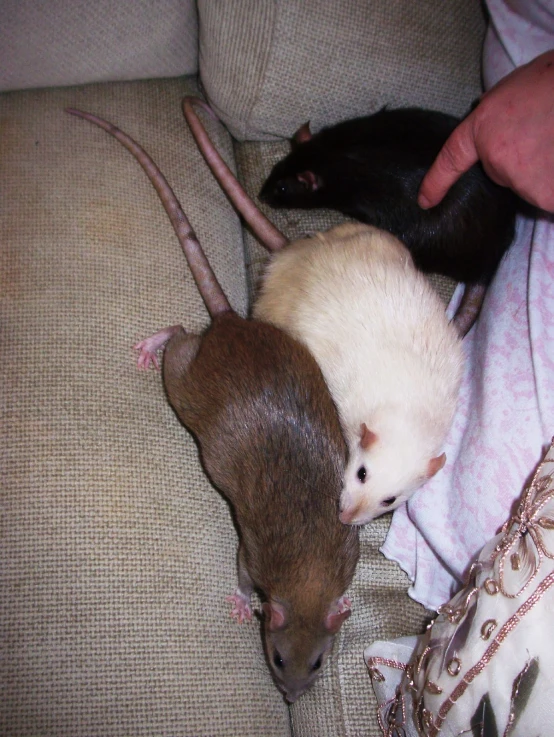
{"x": 423, "y": 202}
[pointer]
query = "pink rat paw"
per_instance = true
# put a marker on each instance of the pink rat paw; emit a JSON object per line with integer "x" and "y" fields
{"x": 241, "y": 610}
{"x": 149, "y": 347}
{"x": 147, "y": 356}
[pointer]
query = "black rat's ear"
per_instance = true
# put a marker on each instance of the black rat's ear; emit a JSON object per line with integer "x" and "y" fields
{"x": 309, "y": 179}
{"x": 302, "y": 135}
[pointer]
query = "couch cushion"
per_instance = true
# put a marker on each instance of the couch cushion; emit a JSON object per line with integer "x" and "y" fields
{"x": 268, "y": 67}
{"x": 64, "y": 42}
{"x": 116, "y": 551}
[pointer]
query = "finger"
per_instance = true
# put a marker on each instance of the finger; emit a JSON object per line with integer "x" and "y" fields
{"x": 456, "y": 156}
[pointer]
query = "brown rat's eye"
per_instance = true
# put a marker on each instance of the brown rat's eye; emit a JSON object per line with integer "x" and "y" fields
{"x": 317, "y": 664}
{"x": 388, "y": 502}
{"x": 277, "y": 660}
{"x": 362, "y": 473}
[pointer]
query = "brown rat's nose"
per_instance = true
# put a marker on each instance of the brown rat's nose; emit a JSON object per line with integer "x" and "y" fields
{"x": 291, "y": 696}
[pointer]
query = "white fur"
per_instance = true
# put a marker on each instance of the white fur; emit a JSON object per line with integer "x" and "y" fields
{"x": 380, "y": 335}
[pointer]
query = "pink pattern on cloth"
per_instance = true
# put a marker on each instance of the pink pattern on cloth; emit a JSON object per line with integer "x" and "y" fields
{"x": 505, "y": 415}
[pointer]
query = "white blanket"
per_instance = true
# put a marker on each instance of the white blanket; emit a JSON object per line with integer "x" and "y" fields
{"x": 505, "y": 417}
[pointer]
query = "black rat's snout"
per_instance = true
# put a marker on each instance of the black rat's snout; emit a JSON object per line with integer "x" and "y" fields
{"x": 273, "y": 191}
{"x": 264, "y": 195}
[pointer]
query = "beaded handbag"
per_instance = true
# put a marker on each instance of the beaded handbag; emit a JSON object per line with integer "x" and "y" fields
{"x": 485, "y": 665}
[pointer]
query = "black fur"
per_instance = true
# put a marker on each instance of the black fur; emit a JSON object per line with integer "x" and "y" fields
{"x": 371, "y": 168}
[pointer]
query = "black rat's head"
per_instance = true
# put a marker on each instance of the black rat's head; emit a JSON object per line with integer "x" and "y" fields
{"x": 293, "y": 181}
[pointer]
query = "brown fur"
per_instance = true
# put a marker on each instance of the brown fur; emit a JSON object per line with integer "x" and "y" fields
{"x": 271, "y": 441}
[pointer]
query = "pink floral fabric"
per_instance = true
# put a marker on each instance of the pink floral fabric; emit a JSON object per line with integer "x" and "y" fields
{"x": 505, "y": 415}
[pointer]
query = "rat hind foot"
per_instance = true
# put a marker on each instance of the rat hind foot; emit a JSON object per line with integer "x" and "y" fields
{"x": 241, "y": 610}
{"x": 150, "y": 346}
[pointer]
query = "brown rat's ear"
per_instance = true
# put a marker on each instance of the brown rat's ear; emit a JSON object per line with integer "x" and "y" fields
{"x": 368, "y": 437}
{"x": 339, "y": 613}
{"x": 435, "y": 464}
{"x": 275, "y": 615}
{"x": 302, "y": 135}
{"x": 309, "y": 179}
{"x": 335, "y": 620}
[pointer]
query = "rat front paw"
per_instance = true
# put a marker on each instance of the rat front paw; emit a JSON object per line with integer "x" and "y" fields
{"x": 241, "y": 610}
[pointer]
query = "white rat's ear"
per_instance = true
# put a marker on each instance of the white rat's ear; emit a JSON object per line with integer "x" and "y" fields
{"x": 302, "y": 135}
{"x": 275, "y": 615}
{"x": 368, "y": 437}
{"x": 309, "y": 179}
{"x": 435, "y": 464}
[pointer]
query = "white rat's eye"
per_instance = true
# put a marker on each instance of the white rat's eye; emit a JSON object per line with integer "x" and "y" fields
{"x": 277, "y": 660}
{"x": 362, "y": 473}
{"x": 388, "y": 502}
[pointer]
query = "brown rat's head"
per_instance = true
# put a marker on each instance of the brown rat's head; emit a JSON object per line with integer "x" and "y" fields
{"x": 296, "y": 648}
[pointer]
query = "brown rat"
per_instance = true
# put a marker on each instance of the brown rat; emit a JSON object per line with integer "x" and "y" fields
{"x": 271, "y": 442}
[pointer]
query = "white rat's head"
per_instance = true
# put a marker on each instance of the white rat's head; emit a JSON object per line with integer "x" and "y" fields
{"x": 385, "y": 467}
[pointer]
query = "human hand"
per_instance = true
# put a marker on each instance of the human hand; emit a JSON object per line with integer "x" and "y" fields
{"x": 511, "y": 131}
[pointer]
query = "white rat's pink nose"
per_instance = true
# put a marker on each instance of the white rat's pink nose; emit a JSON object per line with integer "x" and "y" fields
{"x": 348, "y": 514}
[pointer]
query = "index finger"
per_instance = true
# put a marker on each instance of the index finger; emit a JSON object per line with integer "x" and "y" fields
{"x": 456, "y": 156}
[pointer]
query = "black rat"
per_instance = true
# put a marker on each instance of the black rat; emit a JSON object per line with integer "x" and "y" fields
{"x": 271, "y": 442}
{"x": 379, "y": 332}
{"x": 371, "y": 168}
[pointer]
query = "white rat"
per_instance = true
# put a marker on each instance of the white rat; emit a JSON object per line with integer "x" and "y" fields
{"x": 390, "y": 357}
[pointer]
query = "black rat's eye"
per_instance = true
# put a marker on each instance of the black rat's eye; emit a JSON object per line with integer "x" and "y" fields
{"x": 281, "y": 188}
{"x": 388, "y": 502}
{"x": 362, "y": 473}
{"x": 317, "y": 664}
{"x": 277, "y": 660}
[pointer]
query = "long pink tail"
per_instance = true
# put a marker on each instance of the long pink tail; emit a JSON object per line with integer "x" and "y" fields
{"x": 268, "y": 234}
{"x": 208, "y": 286}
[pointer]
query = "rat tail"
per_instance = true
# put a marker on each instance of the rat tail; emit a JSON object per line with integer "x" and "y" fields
{"x": 263, "y": 228}
{"x": 208, "y": 286}
{"x": 469, "y": 308}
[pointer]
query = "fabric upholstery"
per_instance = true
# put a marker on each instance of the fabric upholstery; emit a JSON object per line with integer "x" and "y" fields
{"x": 268, "y": 67}
{"x": 67, "y": 42}
{"x": 116, "y": 551}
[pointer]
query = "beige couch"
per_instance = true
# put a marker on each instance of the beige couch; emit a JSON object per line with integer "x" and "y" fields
{"x": 116, "y": 552}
